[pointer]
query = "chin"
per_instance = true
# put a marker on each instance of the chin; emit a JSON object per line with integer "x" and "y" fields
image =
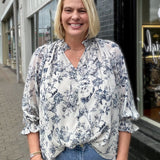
{"x": 77, "y": 33}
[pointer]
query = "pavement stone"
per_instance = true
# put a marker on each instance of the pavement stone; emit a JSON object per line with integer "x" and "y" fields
{"x": 13, "y": 145}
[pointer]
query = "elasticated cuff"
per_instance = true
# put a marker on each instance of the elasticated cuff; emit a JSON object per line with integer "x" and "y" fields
{"x": 30, "y": 128}
{"x": 126, "y": 125}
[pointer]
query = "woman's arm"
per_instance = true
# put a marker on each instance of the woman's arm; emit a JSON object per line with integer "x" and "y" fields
{"x": 123, "y": 145}
{"x": 34, "y": 145}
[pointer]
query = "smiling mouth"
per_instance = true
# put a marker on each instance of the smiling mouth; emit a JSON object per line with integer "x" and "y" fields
{"x": 76, "y": 25}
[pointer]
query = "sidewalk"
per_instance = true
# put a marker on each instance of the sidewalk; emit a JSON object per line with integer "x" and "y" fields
{"x": 13, "y": 146}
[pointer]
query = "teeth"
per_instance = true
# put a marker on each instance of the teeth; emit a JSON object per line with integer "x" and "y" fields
{"x": 75, "y": 25}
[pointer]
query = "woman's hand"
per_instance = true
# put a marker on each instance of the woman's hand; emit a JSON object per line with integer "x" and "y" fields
{"x": 34, "y": 146}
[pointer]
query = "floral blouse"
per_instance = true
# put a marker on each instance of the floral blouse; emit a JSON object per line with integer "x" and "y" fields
{"x": 71, "y": 106}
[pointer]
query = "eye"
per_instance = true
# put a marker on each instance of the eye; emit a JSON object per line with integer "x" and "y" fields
{"x": 82, "y": 11}
{"x": 68, "y": 10}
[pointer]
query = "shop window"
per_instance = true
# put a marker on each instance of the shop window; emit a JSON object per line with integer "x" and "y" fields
{"x": 42, "y": 25}
{"x": 151, "y": 58}
{"x": 10, "y": 42}
{"x": 10, "y": 37}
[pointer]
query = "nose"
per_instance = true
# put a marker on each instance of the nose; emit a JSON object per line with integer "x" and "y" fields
{"x": 75, "y": 15}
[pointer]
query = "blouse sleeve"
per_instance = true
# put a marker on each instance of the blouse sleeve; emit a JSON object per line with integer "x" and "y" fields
{"x": 126, "y": 103}
{"x": 30, "y": 100}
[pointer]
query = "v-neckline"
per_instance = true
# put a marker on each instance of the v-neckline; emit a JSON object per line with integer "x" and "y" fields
{"x": 65, "y": 46}
{"x": 69, "y": 62}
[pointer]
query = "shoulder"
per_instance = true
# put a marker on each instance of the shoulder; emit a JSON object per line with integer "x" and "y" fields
{"x": 107, "y": 43}
{"x": 45, "y": 50}
{"x": 110, "y": 47}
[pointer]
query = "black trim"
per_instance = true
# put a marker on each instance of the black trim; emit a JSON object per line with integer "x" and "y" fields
{"x": 125, "y": 35}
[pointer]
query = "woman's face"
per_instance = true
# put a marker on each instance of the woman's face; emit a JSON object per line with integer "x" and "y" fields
{"x": 74, "y": 19}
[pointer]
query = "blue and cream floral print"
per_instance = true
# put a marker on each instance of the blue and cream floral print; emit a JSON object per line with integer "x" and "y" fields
{"x": 71, "y": 106}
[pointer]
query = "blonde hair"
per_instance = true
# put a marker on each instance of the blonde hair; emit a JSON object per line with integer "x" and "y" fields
{"x": 94, "y": 24}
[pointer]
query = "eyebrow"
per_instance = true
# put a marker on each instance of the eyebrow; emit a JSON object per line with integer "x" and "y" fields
{"x": 67, "y": 7}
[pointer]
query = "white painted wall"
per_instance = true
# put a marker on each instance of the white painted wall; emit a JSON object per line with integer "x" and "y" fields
{"x": 1, "y": 55}
{"x": 26, "y": 44}
{"x": 3, "y": 7}
{"x": 34, "y": 6}
{"x": 27, "y": 9}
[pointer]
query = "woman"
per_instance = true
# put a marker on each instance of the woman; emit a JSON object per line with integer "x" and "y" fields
{"x": 77, "y": 100}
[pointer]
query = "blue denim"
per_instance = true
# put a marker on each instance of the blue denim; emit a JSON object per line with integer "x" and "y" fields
{"x": 80, "y": 153}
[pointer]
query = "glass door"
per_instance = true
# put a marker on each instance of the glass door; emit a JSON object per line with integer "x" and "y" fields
{"x": 149, "y": 58}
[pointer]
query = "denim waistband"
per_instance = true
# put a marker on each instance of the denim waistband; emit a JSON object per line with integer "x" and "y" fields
{"x": 81, "y": 146}
{"x": 80, "y": 152}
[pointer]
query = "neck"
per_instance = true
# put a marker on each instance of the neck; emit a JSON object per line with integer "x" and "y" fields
{"x": 75, "y": 43}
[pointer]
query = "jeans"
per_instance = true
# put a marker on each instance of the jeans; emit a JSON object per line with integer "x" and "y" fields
{"x": 85, "y": 152}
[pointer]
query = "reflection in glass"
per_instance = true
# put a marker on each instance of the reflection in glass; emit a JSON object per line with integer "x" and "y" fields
{"x": 151, "y": 71}
{"x": 149, "y": 11}
{"x": 42, "y": 24}
{"x": 45, "y": 24}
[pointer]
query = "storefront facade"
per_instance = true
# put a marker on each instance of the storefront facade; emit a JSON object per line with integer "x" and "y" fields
{"x": 149, "y": 55}
{"x": 11, "y": 36}
{"x": 38, "y": 22}
{"x": 7, "y": 33}
{"x": 134, "y": 25}
{"x": 34, "y": 21}
{"x": 148, "y": 73}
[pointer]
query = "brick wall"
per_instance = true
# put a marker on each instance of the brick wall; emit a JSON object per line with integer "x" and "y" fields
{"x": 106, "y": 13}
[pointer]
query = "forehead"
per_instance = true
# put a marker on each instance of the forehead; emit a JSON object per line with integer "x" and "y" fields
{"x": 73, "y": 3}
